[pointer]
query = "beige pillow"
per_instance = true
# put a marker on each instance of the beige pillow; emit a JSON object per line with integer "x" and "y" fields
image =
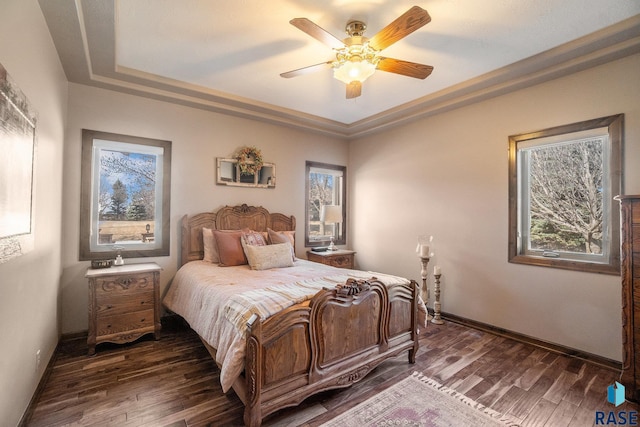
{"x": 229, "y": 247}
{"x": 270, "y": 256}
{"x": 210, "y": 248}
{"x": 276, "y": 237}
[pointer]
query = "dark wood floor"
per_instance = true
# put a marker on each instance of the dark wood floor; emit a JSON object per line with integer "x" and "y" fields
{"x": 173, "y": 382}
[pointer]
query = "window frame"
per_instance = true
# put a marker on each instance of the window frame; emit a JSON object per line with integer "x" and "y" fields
{"x": 519, "y": 255}
{"x": 92, "y": 141}
{"x": 343, "y": 189}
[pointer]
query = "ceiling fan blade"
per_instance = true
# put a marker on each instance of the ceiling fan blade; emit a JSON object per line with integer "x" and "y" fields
{"x": 317, "y": 32}
{"x": 354, "y": 89}
{"x": 305, "y": 70}
{"x": 404, "y": 25}
{"x": 406, "y": 68}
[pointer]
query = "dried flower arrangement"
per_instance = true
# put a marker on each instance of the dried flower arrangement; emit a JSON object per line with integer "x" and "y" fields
{"x": 249, "y": 160}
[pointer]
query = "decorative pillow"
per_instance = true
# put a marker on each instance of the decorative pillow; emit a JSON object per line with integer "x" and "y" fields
{"x": 210, "y": 248}
{"x": 276, "y": 237}
{"x": 253, "y": 238}
{"x": 229, "y": 247}
{"x": 270, "y": 256}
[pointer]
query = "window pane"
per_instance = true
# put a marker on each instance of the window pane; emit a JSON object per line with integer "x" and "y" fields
{"x": 562, "y": 182}
{"x": 124, "y": 206}
{"x": 566, "y": 196}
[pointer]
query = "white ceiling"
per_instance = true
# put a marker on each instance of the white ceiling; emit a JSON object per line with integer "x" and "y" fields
{"x": 227, "y": 55}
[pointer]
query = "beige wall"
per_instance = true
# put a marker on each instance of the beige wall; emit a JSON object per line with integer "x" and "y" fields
{"x": 29, "y": 284}
{"x": 198, "y": 137}
{"x": 446, "y": 175}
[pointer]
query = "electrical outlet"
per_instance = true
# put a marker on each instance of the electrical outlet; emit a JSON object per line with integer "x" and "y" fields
{"x": 37, "y": 360}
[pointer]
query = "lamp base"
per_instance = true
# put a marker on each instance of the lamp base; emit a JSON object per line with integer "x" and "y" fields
{"x": 332, "y": 246}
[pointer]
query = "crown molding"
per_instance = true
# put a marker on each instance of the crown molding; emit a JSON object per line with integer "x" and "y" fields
{"x": 610, "y": 44}
{"x": 84, "y": 35}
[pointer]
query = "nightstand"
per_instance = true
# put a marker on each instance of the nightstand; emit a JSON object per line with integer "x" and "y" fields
{"x": 341, "y": 258}
{"x": 124, "y": 303}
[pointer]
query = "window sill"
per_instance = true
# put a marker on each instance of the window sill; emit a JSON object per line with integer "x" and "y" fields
{"x": 565, "y": 264}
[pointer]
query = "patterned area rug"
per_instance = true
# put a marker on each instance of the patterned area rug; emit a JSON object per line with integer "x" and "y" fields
{"x": 420, "y": 401}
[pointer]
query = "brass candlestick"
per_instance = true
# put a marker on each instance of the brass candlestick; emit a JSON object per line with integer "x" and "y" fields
{"x": 425, "y": 288}
{"x": 437, "y": 319}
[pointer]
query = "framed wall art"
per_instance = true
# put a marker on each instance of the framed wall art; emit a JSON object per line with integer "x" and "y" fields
{"x": 17, "y": 157}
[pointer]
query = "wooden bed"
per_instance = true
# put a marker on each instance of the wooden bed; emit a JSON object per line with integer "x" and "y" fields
{"x": 329, "y": 342}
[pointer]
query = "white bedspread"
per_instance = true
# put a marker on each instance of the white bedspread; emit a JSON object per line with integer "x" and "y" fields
{"x": 217, "y": 301}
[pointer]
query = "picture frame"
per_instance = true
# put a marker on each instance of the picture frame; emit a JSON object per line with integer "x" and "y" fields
{"x": 18, "y": 145}
{"x": 125, "y": 196}
{"x": 228, "y": 173}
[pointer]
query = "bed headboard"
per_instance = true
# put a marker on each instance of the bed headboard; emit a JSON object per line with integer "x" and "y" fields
{"x": 228, "y": 218}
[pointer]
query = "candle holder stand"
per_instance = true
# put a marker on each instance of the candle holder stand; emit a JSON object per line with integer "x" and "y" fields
{"x": 437, "y": 319}
{"x": 425, "y": 288}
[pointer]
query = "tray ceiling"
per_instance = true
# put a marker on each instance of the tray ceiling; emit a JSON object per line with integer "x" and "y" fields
{"x": 228, "y": 56}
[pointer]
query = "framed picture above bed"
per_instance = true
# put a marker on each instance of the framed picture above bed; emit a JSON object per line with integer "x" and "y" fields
{"x": 125, "y": 196}
{"x": 229, "y": 173}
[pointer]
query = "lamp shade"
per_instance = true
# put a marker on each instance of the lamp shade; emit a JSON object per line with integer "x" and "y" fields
{"x": 350, "y": 71}
{"x": 331, "y": 213}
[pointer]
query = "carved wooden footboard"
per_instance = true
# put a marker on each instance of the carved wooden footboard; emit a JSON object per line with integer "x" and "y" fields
{"x": 332, "y": 341}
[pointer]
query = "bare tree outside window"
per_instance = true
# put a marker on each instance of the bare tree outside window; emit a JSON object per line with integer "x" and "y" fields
{"x": 561, "y": 186}
{"x": 137, "y": 195}
{"x": 321, "y": 192}
{"x": 326, "y": 186}
{"x": 566, "y": 197}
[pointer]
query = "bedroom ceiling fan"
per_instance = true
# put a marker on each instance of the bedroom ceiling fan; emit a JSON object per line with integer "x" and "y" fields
{"x": 357, "y": 57}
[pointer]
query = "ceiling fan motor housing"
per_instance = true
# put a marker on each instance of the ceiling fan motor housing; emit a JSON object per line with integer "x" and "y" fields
{"x": 356, "y": 49}
{"x": 355, "y": 28}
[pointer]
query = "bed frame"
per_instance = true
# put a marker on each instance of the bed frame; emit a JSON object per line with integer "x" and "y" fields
{"x": 331, "y": 341}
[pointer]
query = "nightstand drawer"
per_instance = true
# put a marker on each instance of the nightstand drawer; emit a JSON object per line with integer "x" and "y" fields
{"x": 341, "y": 258}
{"x": 109, "y": 325}
{"x": 342, "y": 261}
{"x": 131, "y": 283}
{"x": 124, "y": 303}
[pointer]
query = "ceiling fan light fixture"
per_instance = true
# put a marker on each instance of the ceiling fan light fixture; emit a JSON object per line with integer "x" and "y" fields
{"x": 355, "y": 62}
{"x": 350, "y": 71}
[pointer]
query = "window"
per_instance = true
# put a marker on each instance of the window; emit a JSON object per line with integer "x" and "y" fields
{"x": 326, "y": 204}
{"x": 561, "y": 187}
{"x": 125, "y": 199}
